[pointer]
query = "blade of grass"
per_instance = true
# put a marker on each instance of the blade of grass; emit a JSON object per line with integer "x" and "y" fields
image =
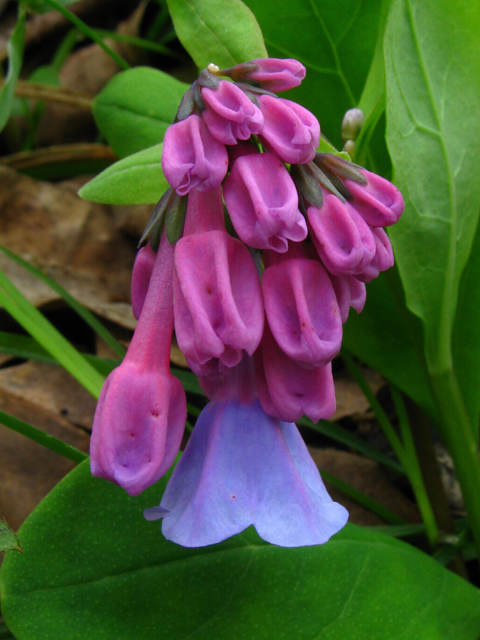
{"x": 84, "y": 313}
{"x": 87, "y": 31}
{"x": 339, "y": 434}
{"x": 45, "y": 333}
{"x": 139, "y": 42}
{"x": 45, "y": 439}
{"x": 400, "y": 530}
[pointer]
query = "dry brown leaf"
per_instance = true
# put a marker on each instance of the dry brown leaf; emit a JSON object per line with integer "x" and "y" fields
{"x": 367, "y": 476}
{"x": 350, "y": 399}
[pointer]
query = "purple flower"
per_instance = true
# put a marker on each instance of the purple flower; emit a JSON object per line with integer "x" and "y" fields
{"x": 140, "y": 416}
{"x": 142, "y": 272}
{"x": 290, "y": 131}
{"x": 344, "y": 241}
{"x": 241, "y": 468}
{"x": 192, "y": 158}
{"x": 350, "y": 292}
{"x": 288, "y": 390}
{"x": 263, "y": 203}
{"x": 230, "y": 115}
{"x": 302, "y": 310}
{"x": 383, "y": 258}
{"x": 277, "y": 75}
{"x": 379, "y": 202}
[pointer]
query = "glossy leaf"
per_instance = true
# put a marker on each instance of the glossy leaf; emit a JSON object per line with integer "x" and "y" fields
{"x": 136, "y": 107}
{"x": 224, "y": 32}
{"x": 15, "y": 58}
{"x": 335, "y": 41}
{"x": 94, "y": 568}
{"x": 137, "y": 179}
{"x": 433, "y": 101}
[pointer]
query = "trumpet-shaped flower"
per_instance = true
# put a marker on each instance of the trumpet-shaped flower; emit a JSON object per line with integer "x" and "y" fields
{"x": 242, "y": 467}
{"x": 276, "y": 74}
{"x": 263, "y": 203}
{"x": 379, "y": 202}
{"x": 230, "y": 115}
{"x": 140, "y": 416}
{"x": 290, "y": 131}
{"x": 192, "y": 158}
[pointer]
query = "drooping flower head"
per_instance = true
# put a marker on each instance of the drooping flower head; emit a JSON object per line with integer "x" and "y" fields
{"x": 255, "y": 255}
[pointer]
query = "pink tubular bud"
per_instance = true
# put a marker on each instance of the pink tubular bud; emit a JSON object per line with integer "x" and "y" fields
{"x": 217, "y": 300}
{"x": 275, "y": 74}
{"x": 344, "y": 241}
{"x": 192, "y": 158}
{"x": 302, "y": 311}
{"x": 230, "y": 115}
{"x": 142, "y": 272}
{"x": 379, "y": 202}
{"x": 350, "y": 292}
{"x": 287, "y": 390}
{"x": 140, "y": 416}
{"x": 290, "y": 131}
{"x": 263, "y": 203}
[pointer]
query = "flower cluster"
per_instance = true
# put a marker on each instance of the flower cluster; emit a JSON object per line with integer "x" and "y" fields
{"x": 254, "y": 256}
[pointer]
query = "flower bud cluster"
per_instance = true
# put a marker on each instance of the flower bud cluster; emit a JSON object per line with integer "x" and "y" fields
{"x": 260, "y": 246}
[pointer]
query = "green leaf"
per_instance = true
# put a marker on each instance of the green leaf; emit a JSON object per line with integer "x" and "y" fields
{"x": 136, "y": 107}
{"x": 94, "y": 568}
{"x": 5, "y": 633}
{"x": 45, "y": 333}
{"x": 224, "y": 32}
{"x": 433, "y": 134}
{"x": 15, "y": 59}
{"x": 336, "y": 43}
{"x": 137, "y": 179}
{"x": 8, "y": 538}
{"x": 42, "y": 6}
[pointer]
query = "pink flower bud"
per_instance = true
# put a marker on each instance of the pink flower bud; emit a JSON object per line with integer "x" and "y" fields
{"x": 344, "y": 241}
{"x": 286, "y": 389}
{"x": 142, "y": 272}
{"x": 290, "y": 131}
{"x": 350, "y": 292}
{"x": 217, "y": 300}
{"x": 383, "y": 258}
{"x": 302, "y": 311}
{"x": 140, "y": 416}
{"x": 379, "y": 202}
{"x": 276, "y": 75}
{"x": 230, "y": 115}
{"x": 262, "y": 201}
{"x": 192, "y": 158}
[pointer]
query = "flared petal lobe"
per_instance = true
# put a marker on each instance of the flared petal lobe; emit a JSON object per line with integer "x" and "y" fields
{"x": 230, "y": 115}
{"x": 263, "y": 203}
{"x": 302, "y": 311}
{"x": 217, "y": 300}
{"x": 289, "y": 130}
{"x": 379, "y": 202}
{"x": 192, "y": 158}
{"x": 242, "y": 468}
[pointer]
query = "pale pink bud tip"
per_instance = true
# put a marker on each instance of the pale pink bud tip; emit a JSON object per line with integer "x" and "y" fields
{"x": 275, "y": 74}
{"x": 192, "y": 158}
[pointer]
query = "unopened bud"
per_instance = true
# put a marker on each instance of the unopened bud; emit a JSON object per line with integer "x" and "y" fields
{"x": 213, "y": 68}
{"x": 340, "y": 167}
{"x": 352, "y": 123}
{"x": 349, "y": 147}
{"x": 307, "y": 183}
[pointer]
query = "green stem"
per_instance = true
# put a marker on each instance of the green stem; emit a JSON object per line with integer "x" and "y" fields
{"x": 85, "y": 29}
{"x": 459, "y": 437}
{"x": 414, "y": 470}
{"x": 45, "y": 439}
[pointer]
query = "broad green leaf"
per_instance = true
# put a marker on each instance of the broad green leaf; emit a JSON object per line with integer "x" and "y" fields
{"x": 137, "y": 179}
{"x": 15, "y": 59}
{"x": 136, "y": 107}
{"x": 8, "y": 538}
{"x": 433, "y": 134}
{"x": 336, "y": 43}
{"x": 224, "y": 32}
{"x": 94, "y": 568}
